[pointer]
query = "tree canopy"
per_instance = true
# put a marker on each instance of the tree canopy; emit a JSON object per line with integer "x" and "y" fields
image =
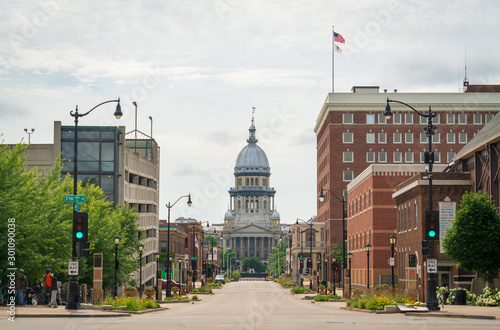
{"x": 473, "y": 239}
{"x": 253, "y": 262}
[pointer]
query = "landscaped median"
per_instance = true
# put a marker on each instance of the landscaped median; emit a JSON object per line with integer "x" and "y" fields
{"x": 128, "y": 304}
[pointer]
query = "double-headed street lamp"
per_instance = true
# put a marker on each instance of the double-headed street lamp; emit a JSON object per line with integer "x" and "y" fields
{"x": 73, "y": 296}
{"x": 344, "y": 234}
{"x": 431, "y": 302}
{"x": 169, "y": 206}
{"x": 392, "y": 240}
{"x": 29, "y": 134}
{"x": 310, "y": 248}
{"x": 368, "y": 248}
{"x": 141, "y": 248}
{"x": 117, "y": 241}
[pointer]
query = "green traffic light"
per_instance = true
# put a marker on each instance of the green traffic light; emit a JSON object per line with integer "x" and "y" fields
{"x": 79, "y": 235}
{"x": 432, "y": 233}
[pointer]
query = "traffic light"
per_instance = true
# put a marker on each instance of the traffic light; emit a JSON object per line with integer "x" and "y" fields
{"x": 301, "y": 264}
{"x": 83, "y": 249}
{"x": 309, "y": 263}
{"x": 426, "y": 247}
{"x": 80, "y": 226}
{"x": 431, "y": 224}
{"x": 204, "y": 267}
{"x": 335, "y": 266}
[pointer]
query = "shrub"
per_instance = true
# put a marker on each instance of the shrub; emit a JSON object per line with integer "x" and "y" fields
{"x": 299, "y": 290}
{"x": 169, "y": 299}
{"x": 149, "y": 289}
{"x": 489, "y": 297}
{"x": 194, "y": 297}
{"x": 376, "y": 302}
{"x": 320, "y": 298}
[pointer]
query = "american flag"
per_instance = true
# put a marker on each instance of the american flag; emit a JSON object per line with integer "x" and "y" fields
{"x": 338, "y": 38}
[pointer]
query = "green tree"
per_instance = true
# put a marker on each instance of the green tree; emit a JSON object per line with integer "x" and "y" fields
{"x": 337, "y": 253}
{"x": 473, "y": 239}
{"x": 229, "y": 258}
{"x": 277, "y": 257}
{"x": 212, "y": 241}
{"x": 253, "y": 262}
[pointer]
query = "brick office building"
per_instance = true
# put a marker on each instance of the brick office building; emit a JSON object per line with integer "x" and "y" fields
{"x": 352, "y": 133}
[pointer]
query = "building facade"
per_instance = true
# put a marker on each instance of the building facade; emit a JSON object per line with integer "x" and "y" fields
{"x": 252, "y": 224}
{"x": 352, "y": 134}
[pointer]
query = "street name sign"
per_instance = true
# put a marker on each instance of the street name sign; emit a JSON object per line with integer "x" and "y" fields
{"x": 76, "y": 207}
{"x": 74, "y": 198}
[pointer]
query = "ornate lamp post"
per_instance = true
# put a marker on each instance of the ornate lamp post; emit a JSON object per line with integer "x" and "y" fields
{"x": 431, "y": 302}
{"x": 157, "y": 257}
{"x": 334, "y": 266}
{"x": 73, "y": 296}
{"x": 349, "y": 257}
{"x": 392, "y": 240}
{"x": 169, "y": 206}
{"x": 141, "y": 248}
{"x": 326, "y": 268}
{"x": 117, "y": 241}
{"x": 368, "y": 248}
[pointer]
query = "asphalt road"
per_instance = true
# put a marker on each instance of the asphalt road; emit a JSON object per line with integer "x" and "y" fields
{"x": 254, "y": 305}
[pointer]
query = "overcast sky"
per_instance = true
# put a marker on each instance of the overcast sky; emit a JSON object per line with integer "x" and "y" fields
{"x": 199, "y": 66}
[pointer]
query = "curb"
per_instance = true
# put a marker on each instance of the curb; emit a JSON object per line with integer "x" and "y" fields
{"x": 450, "y": 315}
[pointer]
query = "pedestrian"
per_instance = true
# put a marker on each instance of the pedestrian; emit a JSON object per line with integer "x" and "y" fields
{"x": 59, "y": 300}
{"x": 48, "y": 285}
{"x": 37, "y": 287}
{"x": 53, "y": 292}
{"x": 21, "y": 283}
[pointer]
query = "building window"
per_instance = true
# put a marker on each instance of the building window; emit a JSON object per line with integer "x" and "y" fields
{"x": 348, "y": 156}
{"x": 462, "y": 138}
{"x": 163, "y": 248}
{"x": 488, "y": 117}
{"x": 450, "y": 137}
{"x": 396, "y": 137}
{"x": 423, "y": 138}
{"x": 409, "y": 156}
{"x": 449, "y": 156}
{"x": 257, "y": 181}
{"x": 347, "y": 137}
{"x": 478, "y": 119}
{"x": 370, "y": 118}
{"x": 370, "y": 156}
{"x": 248, "y": 182}
{"x": 416, "y": 215}
{"x": 382, "y": 157}
{"x": 347, "y": 118}
{"x": 408, "y": 137}
{"x": 397, "y": 156}
{"x": 251, "y": 181}
{"x": 462, "y": 118}
{"x": 450, "y": 118}
{"x": 437, "y": 157}
{"x": 381, "y": 118}
{"x": 370, "y": 137}
{"x": 422, "y": 156}
{"x": 382, "y": 137}
{"x": 348, "y": 176}
{"x": 436, "y": 138}
{"x": 423, "y": 120}
{"x": 396, "y": 118}
{"x": 408, "y": 118}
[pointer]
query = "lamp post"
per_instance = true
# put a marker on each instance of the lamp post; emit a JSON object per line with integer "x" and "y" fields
{"x": 135, "y": 146}
{"x": 326, "y": 269}
{"x": 141, "y": 248}
{"x": 310, "y": 248}
{"x": 151, "y": 154}
{"x": 368, "y": 248}
{"x": 73, "y": 296}
{"x": 431, "y": 302}
{"x": 117, "y": 241}
{"x": 344, "y": 234}
{"x": 334, "y": 264}
{"x": 392, "y": 240}
{"x": 29, "y": 134}
{"x": 349, "y": 257}
{"x": 157, "y": 257}
{"x": 169, "y": 206}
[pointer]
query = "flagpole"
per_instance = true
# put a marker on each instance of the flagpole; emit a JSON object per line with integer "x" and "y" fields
{"x": 333, "y": 59}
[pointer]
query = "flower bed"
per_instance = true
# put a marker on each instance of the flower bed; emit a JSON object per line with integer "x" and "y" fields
{"x": 376, "y": 302}
{"x": 130, "y": 304}
{"x": 300, "y": 290}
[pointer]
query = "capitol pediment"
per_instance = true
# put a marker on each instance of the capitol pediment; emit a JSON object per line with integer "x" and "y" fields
{"x": 252, "y": 229}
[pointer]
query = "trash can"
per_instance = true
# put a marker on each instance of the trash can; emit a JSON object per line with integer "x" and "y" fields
{"x": 461, "y": 297}
{"x": 446, "y": 295}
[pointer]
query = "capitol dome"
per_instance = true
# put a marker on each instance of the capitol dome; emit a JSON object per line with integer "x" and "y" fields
{"x": 228, "y": 214}
{"x": 252, "y": 159}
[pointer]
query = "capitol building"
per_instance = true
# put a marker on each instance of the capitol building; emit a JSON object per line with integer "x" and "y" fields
{"x": 252, "y": 224}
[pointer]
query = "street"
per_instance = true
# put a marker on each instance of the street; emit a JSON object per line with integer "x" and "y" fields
{"x": 254, "y": 305}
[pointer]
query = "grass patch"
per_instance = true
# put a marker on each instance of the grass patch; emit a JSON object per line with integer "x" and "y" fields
{"x": 131, "y": 304}
{"x": 298, "y": 290}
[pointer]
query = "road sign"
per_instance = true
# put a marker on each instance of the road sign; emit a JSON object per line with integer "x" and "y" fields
{"x": 73, "y": 269}
{"x": 76, "y": 207}
{"x": 74, "y": 198}
{"x": 432, "y": 266}
{"x": 391, "y": 261}
{"x": 194, "y": 258}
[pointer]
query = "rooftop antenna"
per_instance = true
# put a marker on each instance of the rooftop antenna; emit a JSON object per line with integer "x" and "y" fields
{"x": 466, "y": 81}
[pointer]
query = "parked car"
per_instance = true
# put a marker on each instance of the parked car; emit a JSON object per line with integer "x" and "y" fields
{"x": 219, "y": 279}
{"x": 172, "y": 284}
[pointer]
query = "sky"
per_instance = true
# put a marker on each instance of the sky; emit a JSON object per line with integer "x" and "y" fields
{"x": 199, "y": 66}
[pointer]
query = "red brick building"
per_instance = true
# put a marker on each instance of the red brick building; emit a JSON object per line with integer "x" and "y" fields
{"x": 352, "y": 134}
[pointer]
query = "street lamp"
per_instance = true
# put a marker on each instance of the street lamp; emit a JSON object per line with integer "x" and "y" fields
{"x": 392, "y": 240}
{"x": 169, "y": 206}
{"x": 141, "y": 248}
{"x": 368, "y": 248}
{"x": 334, "y": 264}
{"x": 431, "y": 302}
{"x": 310, "y": 248}
{"x": 349, "y": 257}
{"x": 73, "y": 295}
{"x": 326, "y": 269}
{"x": 117, "y": 241}
{"x": 157, "y": 257}
{"x": 342, "y": 200}
{"x": 29, "y": 134}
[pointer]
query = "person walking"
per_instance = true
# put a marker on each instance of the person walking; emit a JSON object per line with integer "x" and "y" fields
{"x": 37, "y": 287}
{"x": 53, "y": 292}
{"x": 21, "y": 283}
{"x": 48, "y": 285}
